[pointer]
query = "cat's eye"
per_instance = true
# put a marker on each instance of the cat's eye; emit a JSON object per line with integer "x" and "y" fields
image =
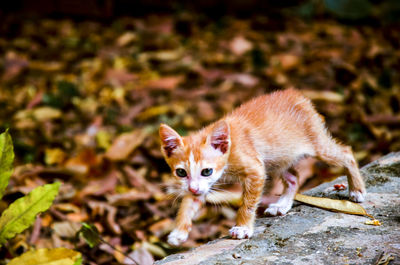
{"x": 180, "y": 172}
{"x": 206, "y": 172}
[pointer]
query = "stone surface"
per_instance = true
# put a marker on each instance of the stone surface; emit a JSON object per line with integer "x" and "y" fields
{"x": 308, "y": 235}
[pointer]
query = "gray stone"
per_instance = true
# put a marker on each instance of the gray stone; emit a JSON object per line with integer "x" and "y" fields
{"x": 309, "y": 235}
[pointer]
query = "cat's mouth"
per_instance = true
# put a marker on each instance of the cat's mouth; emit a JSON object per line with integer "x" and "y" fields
{"x": 198, "y": 193}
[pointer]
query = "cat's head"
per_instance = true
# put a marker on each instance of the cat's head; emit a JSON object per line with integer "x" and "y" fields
{"x": 198, "y": 160}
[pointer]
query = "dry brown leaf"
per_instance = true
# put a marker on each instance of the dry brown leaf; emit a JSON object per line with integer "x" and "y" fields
{"x": 124, "y": 145}
{"x": 100, "y": 208}
{"x": 83, "y": 162}
{"x": 126, "y": 199}
{"x": 101, "y": 186}
{"x": 285, "y": 61}
{"x": 165, "y": 83}
{"x": 66, "y": 229}
{"x": 141, "y": 256}
{"x": 333, "y": 205}
{"x": 67, "y": 207}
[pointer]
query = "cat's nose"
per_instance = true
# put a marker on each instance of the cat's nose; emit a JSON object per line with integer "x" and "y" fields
{"x": 194, "y": 190}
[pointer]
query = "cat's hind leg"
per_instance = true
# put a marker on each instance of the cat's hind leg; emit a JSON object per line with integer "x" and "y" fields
{"x": 285, "y": 202}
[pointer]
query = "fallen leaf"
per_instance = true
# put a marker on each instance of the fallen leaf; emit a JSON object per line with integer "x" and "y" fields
{"x": 46, "y": 66}
{"x": 373, "y": 222}
{"x": 54, "y": 156}
{"x": 119, "y": 77}
{"x": 153, "y": 111}
{"x": 40, "y": 114}
{"x": 14, "y": 64}
{"x": 333, "y": 205}
{"x": 103, "y": 139}
{"x": 124, "y": 144}
{"x": 101, "y": 186}
{"x": 141, "y": 256}
{"x": 66, "y": 229}
{"x": 83, "y": 162}
{"x": 243, "y": 79}
{"x": 126, "y": 38}
{"x": 165, "y": 83}
{"x": 154, "y": 249}
{"x": 328, "y": 96}
{"x": 239, "y": 45}
{"x": 45, "y": 256}
{"x": 99, "y": 208}
{"x": 285, "y": 61}
{"x": 66, "y": 207}
{"x": 125, "y": 199}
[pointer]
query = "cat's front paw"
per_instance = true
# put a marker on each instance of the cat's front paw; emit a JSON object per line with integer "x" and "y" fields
{"x": 357, "y": 196}
{"x": 277, "y": 209}
{"x": 177, "y": 237}
{"x": 240, "y": 232}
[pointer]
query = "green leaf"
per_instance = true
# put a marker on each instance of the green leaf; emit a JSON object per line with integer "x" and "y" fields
{"x": 6, "y": 160}
{"x": 44, "y": 256}
{"x": 21, "y": 213}
{"x": 90, "y": 233}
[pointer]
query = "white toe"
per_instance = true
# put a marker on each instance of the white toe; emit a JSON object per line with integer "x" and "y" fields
{"x": 241, "y": 232}
{"x": 277, "y": 209}
{"x": 177, "y": 237}
{"x": 357, "y": 196}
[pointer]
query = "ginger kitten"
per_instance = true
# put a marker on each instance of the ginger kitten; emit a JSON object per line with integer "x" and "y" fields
{"x": 262, "y": 139}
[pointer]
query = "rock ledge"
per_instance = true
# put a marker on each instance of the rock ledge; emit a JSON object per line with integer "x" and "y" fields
{"x": 308, "y": 235}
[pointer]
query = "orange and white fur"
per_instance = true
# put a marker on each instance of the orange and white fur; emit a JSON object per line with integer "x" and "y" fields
{"x": 262, "y": 139}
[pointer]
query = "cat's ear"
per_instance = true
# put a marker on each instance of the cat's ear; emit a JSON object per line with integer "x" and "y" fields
{"x": 170, "y": 139}
{"x": 220, "y": 136}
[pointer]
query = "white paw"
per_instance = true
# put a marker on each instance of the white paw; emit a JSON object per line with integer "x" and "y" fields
{"x": 277, "y": 209}
{"x": 357, "y": 196}
{"x": 240, "y": 232}
{"x": 177, "y": 237}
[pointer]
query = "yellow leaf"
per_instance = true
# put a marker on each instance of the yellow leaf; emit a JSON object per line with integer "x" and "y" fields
{"x": 54, "y": 156}
{"x": 333, "y": 205}
{"x": 103, "y": 139}
{"x": 40, "y": 114}
{"x": 373, "y": 222}
{"x": 44, "y": 256}
{"x": 153, "y": 111}
{"x": 46, "y": 113}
